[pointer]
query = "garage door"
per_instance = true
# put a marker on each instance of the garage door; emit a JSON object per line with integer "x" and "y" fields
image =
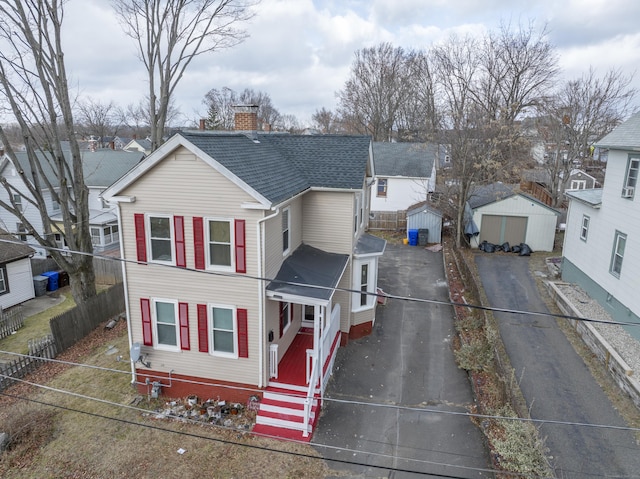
{"x": 498, "y": 229}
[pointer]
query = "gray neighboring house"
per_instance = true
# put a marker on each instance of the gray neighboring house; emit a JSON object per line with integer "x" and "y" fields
{"x": 16, "y": 277}
{"x": 101, "y": 169}
{"x": 405, "y": 174}
{"x": 601, "y": 251}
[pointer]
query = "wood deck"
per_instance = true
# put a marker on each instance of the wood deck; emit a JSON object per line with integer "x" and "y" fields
{"x": 292, "y": 369}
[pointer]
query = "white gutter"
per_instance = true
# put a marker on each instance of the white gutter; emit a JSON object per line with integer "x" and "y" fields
{"x": 126, "y": 291}
{"x": 261, "y": 293}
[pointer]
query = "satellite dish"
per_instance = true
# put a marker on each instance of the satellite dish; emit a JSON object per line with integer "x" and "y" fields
{"x": 135, "y": 352}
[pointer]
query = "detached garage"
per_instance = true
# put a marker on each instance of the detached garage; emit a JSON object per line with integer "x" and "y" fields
{"x": 503, "y": 215}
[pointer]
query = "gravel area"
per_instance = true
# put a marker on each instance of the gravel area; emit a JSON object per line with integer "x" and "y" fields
{"x": 619, "y": 339}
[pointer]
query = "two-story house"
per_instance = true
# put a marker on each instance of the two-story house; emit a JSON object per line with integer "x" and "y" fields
{"x": 247, "y": 265}
{"x": 601, "y": 250}
{"x": 101, "y": 168}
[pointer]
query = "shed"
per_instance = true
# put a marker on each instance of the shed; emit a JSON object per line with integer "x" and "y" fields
{"x": 505, "y": 215}
{"x": 16, "y": 278}
{"x": 422, "y": 216}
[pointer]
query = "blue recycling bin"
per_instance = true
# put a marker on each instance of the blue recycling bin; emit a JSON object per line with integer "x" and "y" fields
{"x": 413, "y": 237}
{"x": 52, "y": 283}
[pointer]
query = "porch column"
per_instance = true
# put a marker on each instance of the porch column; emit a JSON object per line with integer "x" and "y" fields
{"x": 319, "y": 312}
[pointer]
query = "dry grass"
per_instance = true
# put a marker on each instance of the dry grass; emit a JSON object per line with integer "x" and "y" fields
{"x": 83, "y": 438}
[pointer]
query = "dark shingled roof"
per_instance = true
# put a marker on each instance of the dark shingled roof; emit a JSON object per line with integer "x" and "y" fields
{"x": 281, "y": 166}
{"x": 309, "y": 266}
{"x": 486, "y": 194}
{"x": 12, "y": 251}
{"x": 369, "y": 244}
{"x": 404, "y": 159}
{"x": 626, "y": 136}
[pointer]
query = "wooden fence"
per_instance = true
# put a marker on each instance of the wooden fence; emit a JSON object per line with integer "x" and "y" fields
{"x": 107, "y": 271}
{"x": 11, "y": 321}
{"x": 75, "y": 324}
{"x": 388, "y": 220}
{"x": 39, "y": 351}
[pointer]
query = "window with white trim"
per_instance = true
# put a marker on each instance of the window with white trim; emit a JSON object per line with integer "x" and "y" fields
{"x": 161, "y": 238}
{"x": 165, "y": 320}
{"x": 584, "y": 229}
{"x": 219, "y": 243}
{"x": 286, "y": 230}
{"x": 223, "y": 330}
{"x": 364, "y": 284}
{"x": 619, "y": 243}
{"x": 22, "y": 231}
{"x": 356, "y": 211}
{"x": 381, "y": 191}
{"x": 17, "y": 201}
{"x": 285, "y": 317}
{"x": 55, "y": 206}
{"x": 4, "y": 284}
{"x": 578, "y": 184}
{"x": 95, "y": 235}
{"x": 631, "y": 176}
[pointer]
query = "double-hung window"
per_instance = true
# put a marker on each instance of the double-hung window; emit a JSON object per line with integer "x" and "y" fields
{"x": 219, "y": 240}
{"x": 166, "y": 324}
{"x": 17, "y": 201}
{"x": 285, "y": 317}
{"x": 619, "y": 243}
{"x": 382, "y": 188}
{"x": 223, "y": 330}
{"x": 584, "y": 229}
{"x": 160, "y": 243}
{"x": 356, "y": 213}
{"x": 364, "y": 282}
{"x": 631, "y": 177}
{"x": 4, "y": 285}
{"x": 286, "y": 230}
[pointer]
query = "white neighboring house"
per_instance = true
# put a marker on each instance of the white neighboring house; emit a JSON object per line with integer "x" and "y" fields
{"x": 16, "y": 277}
{"x": 142, "y": 145}
{"x": 101, "y": 169}
{"x": 601, "y": 250}
{"x": 405, "y": 174}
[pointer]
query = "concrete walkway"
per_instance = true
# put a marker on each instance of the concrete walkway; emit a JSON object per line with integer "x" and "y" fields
{"x": 407, "y": 362}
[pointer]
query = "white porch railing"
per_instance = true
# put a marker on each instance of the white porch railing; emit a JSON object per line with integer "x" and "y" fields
{"x": 311, "y": 390}
{"x": 330, "y": 333}
{"x": 273, "y": 361}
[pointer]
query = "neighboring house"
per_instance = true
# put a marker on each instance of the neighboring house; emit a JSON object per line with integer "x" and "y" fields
{"x": 143, "y": 146}
{"x": 101, "y": 168}
{"x": 16, "y": 278}
{"x": 253, "y": 265}
{"x": 504, "y": 215}
{"x": 405, "y": 174}
{"x": 601, "y": 250}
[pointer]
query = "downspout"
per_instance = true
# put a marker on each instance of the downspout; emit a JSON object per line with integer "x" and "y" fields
{"x": 126, "y": 291}
{"x": 261, "y": 289}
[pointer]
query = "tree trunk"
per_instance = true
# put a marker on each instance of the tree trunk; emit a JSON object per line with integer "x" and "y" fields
{"x": 83, "y": 280}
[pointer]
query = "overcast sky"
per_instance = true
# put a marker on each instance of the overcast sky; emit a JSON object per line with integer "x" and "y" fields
{"x": 300, "y": 51}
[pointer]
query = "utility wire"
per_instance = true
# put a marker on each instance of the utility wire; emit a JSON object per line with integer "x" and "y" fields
{"x": 325, "y": 398}
{"x": 229, "y": 274}
{"x": 265, "y": 448}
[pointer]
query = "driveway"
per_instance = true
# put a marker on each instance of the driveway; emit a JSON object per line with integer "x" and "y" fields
{"x": 554, "y": 380}
{"x": 392, "y": 395}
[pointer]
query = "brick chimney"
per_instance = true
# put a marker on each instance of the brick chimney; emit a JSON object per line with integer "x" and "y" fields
{"x": 246, "y": 119}
{"x": 203, "y": 124}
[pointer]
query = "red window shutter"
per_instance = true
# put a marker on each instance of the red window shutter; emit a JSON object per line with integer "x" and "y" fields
{"x": 178, "y": 226}
{"x": 198, "y": 242}
{"x": 141, "y": 241}
{"x": 183, "y": 314}
{"x": 241, "y": 253}
{"x": 243, "y": 333}
{"x": 203, "y": 330}
{"x": 145, "y": 307}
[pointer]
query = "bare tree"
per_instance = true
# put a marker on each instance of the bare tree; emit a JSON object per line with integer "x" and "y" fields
{"x": 97, "y": 118}
{"x": 169, "y": 34}
{"x": 583, "y": 111}
{"x": 220, "y": 113}
{"x": 325, "y": 120}
{"x": 33, "y": 81}
{"x": 376, "y": 89}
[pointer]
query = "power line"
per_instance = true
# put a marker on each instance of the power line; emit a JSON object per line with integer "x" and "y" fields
{"x": 329, "y": 288}
{"x": 328, "y": 399}
{"x": 269, "y": 449}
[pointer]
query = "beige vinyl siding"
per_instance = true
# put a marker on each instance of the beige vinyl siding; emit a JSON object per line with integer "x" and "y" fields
{"x": 364, "y": 316}
{"x": 328, "y": 221}
{"x": 186, "y": 186}
{"x": 344, "y": 299}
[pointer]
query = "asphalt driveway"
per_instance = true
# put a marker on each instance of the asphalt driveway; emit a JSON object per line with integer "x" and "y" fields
{"x": 554, "y": 380}
{"x": 370, "y": 419}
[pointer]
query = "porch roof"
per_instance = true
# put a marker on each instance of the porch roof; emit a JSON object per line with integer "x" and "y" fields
{"x": 309, "y": 272}
{"x": 369, "y": 245}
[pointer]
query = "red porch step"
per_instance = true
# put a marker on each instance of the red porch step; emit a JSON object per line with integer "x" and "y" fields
{"x": 281, "y": 415}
